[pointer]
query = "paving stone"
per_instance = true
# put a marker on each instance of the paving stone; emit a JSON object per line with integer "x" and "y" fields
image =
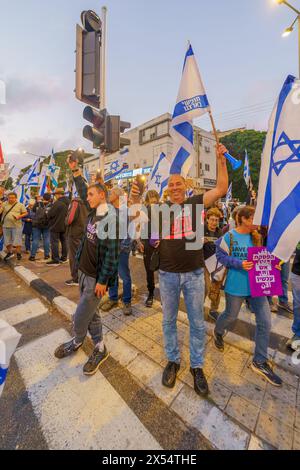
{"x": 297, "y": 420}
{"x": 252, "y": 377}
{"x": 219, "y": 393}
{"x": 243, "y": 411}
{"x": 286, "y": 362}
{"x": 296, "y": 444}
{"x": 257, "y": 444}
{"x": 156, "y": 353}
{"x": 285, "y": 393}
{"x": 287, "y": 377}
{"x": 186, "y": 377}
{"x": 220, "y": 430}
{"x": 150, "y": 374}
{"x": 279, "y": 409}
{"x": 275, "y": 432}
{"x": 233, "y": 361}
{"x": 120, "y": 350}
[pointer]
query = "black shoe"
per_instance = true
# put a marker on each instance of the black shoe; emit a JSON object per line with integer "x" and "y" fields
{"x": 219, "y": 342}
{"x": 52, "y": 263}
{"x": 46, "y": 257}
{"x": 95, "y": 360}
{"x": 70, "y": 282}
{"x": 31, "y": 258}
{"x": 19, "y": 256}
{"x": 266, "y": 371}
{"x": 8, "y": 256}
{"x": 169, "y": 374}
{"x": 66, "y": 349}
{"x": 149, "y": 301}
{"x": 200, "y": 382}
{"x": 213, "y": 315}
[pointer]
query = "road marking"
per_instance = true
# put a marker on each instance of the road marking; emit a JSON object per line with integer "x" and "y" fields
{"x": 74, "y": 411}
{"x": 23, "y": 312}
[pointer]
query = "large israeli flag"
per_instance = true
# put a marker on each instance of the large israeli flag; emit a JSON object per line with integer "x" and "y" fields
{"x": 33, "y": 177}
{"x": 117, "y": 166}
{"x": 247, "y": 176}
{"x": 159, "y": 177}
{"x": 278, "y": 205}
{"x": 191, "y": 103}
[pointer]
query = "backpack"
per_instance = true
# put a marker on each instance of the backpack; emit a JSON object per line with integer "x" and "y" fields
{"x": 41, "y": 218}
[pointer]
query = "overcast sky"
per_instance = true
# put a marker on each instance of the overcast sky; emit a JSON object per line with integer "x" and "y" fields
{"x": 242, "y": 58}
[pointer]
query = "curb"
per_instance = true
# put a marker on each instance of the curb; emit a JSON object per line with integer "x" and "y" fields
{"x": 222, "y": 432}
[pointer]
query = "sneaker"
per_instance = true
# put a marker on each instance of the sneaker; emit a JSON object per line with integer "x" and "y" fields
{"x": 127, "y": 310}
{"x": 8, "y": 256}
{"x": 63, "y": 260}
{"x": 149, "y": 301}
{"x": 200, "y": 382}
{"x": 19, "y": 256}
{"x": 213, "y": 315}
{"x": 109, "y": 305}
{"x": 219, "y": 342}
{"x": 266, "y": 371}
{"x": 70, "y": 282}
{"x": 170, "y": 374}
{"x": 95, "y": 361}
{"x": 273, "y": 308}
{"x": 66, "y": 349}
{"x": 293, "y": 343}
{"x": 52, "y": 263}
{"x": 285, "y": 306}
{"x": 31, "y": 258}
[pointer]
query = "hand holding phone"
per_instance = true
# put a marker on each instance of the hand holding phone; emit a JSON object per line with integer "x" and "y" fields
{"x": 140, "y": 181}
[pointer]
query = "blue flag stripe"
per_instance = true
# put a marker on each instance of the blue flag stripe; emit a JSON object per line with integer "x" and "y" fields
{"x": 179, "y": 161}
{"x": 200, "y": 101}
{"x": 3, "y": 374}
{"x": 186, "y": 130}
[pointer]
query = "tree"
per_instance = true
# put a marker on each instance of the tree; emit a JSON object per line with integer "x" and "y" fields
{"x": 237, "y": 143}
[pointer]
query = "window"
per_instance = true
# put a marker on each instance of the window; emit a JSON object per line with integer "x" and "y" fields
{"x": 207, "y": 167}
{"x": 207, "y": 149}
{"x": 154, "y": 132}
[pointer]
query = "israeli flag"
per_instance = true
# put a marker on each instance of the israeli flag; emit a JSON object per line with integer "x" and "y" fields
{"x": 247, "y": 176}
{"x": 229, "y": 195}
{"x": 9, "y": 339}
{"x": 86, "y": 174}
{"x": 278, "y": 205}
{"x": 26, "y": 196}
{"x": 74, "y": 191}
{"x": 43, "y": 186}
{"x": 52, "y": 168}
{"x": 117, "y": 166}
{"x": 159, "y": 177}
{"x": 33, "y": 177}
{"x": 191, "y": 103}
{"x": 30, "y": 174}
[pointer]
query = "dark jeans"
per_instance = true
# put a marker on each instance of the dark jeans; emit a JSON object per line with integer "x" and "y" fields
{"x": 73, "y": 245}
{"x": 27, "y": 241}
{"x": 37, "y": 233}
{"x": 124, "y": 273}
{"x": 55, "y": 238}
{"x": 150, "y": 274}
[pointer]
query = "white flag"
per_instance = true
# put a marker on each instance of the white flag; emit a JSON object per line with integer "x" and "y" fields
{"x": 278, "y": 205}
{"x": 191, "y": 103}
{"x": 9, "y": 339}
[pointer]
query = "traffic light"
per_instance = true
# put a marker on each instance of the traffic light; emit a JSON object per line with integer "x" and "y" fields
{"x": 98, "y": 133}
{"x": 88, "y": 57}
{"x": 106, "y": 130}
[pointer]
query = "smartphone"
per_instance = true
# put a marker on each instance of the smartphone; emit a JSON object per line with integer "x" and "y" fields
{"x": 140, "y": 181}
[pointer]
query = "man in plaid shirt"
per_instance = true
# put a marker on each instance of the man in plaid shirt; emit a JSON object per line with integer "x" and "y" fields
{"x": 97, "y": 258}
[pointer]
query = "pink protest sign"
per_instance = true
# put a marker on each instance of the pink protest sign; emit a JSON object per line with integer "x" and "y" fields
{"x": 264, "y": 278}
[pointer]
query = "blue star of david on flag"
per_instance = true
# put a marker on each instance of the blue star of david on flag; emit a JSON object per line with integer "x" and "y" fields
{"x": 293, "y": 145}
{"x": 157, "y": 180}
{"x": 114, "y": 165}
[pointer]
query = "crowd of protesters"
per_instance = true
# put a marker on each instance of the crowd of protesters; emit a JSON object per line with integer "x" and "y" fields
{"x": 69, "y": 227}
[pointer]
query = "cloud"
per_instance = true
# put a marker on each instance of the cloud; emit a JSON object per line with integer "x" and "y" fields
{"x": 39, "y": 145}
{"x": 32, "y": 94}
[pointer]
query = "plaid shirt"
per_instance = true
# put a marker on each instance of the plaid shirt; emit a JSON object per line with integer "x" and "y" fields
{"x": 107, "y": 249}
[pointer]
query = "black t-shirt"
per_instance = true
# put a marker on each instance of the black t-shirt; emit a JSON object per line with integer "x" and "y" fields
{"x": 174, "y": 255}
{"x": 88, "y": 258}
{"x": 209, "y": 248}
{"x": 296, "y": 264}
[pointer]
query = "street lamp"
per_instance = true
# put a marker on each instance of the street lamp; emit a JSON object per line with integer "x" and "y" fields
{"x": 289, "y": 30}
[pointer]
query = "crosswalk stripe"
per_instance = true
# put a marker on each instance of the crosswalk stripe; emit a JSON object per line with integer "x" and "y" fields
{"x": 98, "y": 418}
{"x": 23, "y": 312}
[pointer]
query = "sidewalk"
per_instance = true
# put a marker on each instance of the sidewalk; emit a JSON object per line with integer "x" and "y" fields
{"x": 242, "y": 411}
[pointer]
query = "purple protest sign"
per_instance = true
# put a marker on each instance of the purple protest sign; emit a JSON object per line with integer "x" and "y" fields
{"x": 264, "y": 278}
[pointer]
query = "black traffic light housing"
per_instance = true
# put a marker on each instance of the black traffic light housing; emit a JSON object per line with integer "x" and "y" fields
{"x": 106, "y": 130}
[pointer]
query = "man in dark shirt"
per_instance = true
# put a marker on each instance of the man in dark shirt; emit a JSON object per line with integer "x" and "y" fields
{"x": 98, "y": 268}
{"x": 182, "y": 269}
{"x": 294, "y": 342}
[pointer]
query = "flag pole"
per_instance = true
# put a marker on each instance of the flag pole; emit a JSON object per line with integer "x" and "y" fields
{"x": 213, "y": 126}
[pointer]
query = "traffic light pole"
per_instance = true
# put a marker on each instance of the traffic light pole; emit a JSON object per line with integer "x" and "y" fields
{"x": 103, "y": 81}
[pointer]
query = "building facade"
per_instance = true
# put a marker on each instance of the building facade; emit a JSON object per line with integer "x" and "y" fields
{"x": 152, "y": 138}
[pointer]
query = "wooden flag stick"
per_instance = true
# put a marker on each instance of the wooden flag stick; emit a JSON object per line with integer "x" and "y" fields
{"x": 214, "y": 127}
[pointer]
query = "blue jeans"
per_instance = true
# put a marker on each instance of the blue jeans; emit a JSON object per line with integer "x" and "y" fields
{"x": 295, "y": 281}
{"x": 192, "y": 286}
{"x": 124, "y": 273}
{"x": 36, "y": 236}
{"x": 260, "y": 307}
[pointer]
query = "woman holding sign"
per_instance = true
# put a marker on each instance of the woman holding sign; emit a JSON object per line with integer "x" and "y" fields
{"x": 232, "y": 252}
